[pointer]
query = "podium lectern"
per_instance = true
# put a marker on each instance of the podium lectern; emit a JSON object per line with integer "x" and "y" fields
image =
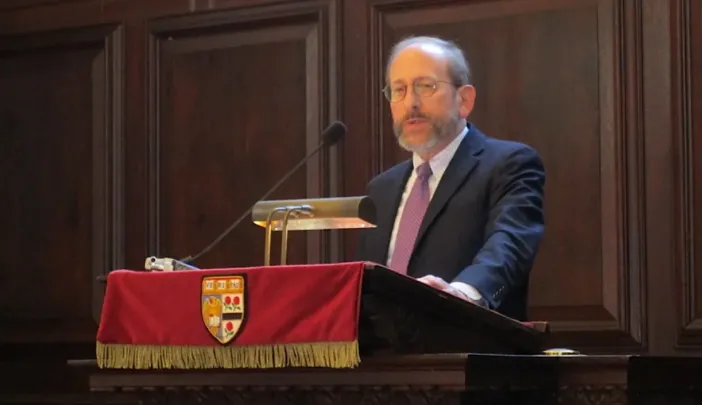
{"x": 420, "y": 346}
{"x": 417, "y": 345}
{"x": 401, "y": 316}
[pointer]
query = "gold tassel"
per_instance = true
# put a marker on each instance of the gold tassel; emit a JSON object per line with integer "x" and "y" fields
{"x": 326, "y": 354}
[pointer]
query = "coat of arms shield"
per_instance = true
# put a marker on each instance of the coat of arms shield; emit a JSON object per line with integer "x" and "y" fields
{"x": 223, "y": 305}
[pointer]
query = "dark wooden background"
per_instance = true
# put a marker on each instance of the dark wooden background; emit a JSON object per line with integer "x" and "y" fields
{"x": 132, "y": 128}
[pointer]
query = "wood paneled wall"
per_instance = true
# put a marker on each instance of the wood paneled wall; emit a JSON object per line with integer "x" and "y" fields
{"x": 132, "y": 128}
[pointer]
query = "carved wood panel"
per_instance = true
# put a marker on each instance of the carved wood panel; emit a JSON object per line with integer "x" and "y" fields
{"x": 237, "y": 98}
{"x": 61, "y": 167}
{"x": 689, "y": 173}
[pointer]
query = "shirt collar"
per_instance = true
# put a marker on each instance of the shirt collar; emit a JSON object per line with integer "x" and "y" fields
{"x": 441, "y": 160}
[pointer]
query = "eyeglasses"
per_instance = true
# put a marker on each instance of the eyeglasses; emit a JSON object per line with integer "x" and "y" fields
{"x": 421, "y": 87}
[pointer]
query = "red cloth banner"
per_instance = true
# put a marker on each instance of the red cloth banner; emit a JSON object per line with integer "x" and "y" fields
{"x": 253, "y": 306}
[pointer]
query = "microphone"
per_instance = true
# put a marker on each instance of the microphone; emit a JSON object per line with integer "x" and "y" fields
{"x": 330, "y": 137}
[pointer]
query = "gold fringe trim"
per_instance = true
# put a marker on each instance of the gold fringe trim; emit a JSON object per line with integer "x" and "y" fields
{"x": 327, "y": 354}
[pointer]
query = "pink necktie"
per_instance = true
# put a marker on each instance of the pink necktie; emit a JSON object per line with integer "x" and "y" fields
{"x": 412, "y": 216}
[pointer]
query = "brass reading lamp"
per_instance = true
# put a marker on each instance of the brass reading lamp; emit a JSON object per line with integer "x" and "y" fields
{"x": 311, "y": 214}
{"x": 293, "y": 215}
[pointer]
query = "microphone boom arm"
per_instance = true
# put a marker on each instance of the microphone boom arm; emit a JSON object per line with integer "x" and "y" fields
{"x": 189, "y": 259}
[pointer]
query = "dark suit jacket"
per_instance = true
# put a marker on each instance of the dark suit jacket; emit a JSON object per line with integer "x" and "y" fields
{"x": 483, "y": 225}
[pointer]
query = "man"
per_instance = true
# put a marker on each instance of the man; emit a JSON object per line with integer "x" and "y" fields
{"x": 465, "y": 214}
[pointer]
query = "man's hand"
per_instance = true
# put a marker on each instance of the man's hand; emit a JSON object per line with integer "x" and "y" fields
{"x": 464, "y": 292}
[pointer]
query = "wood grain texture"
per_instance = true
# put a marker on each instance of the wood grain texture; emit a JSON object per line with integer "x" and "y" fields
{"x": 236, "y": 100}
{"x": 660, "y": 62}
{"x": 425, "y": 379}
{"x": 61, "y": 170}
{"x": 690, "y": 172}
{"x": 17, "y": 5}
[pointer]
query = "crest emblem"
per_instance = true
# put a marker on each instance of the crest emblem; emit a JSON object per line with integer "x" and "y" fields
{"x": 223, "y": 305}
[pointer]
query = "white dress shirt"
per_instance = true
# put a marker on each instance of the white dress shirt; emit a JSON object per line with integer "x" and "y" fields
{"x": 438, "y": 165}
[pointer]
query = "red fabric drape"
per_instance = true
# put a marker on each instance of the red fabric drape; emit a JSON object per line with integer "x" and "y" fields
{"x": 281, "y": 305}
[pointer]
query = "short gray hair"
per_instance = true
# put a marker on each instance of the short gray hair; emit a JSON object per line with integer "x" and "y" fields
{"x": 458, "y": 67}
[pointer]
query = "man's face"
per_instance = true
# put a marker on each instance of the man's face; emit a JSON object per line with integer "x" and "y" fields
{"x": 422, "y": 121}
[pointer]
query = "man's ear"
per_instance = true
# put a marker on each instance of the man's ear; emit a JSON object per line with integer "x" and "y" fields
{"x": 467, "y": 100}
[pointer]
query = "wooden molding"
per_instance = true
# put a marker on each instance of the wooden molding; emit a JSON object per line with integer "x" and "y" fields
{"x": 315, "y": 23}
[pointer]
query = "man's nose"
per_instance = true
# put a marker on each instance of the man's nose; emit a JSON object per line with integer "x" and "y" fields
{"x": 411, "y": 100}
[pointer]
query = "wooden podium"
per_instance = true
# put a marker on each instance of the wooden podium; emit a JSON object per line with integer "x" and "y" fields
{"x": 401, "y": 316}
{"x": 420, "y": 346}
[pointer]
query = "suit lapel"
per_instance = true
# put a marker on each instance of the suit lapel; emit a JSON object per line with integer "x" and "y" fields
{"x": 462, "y": 164}
{"x": 392, "y": 197}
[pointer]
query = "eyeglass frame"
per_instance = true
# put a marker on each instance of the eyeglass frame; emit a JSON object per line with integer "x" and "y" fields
{"x": 414, "y": 88}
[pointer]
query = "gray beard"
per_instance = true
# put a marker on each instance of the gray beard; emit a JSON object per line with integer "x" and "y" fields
{"x": 439, "y": 130}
